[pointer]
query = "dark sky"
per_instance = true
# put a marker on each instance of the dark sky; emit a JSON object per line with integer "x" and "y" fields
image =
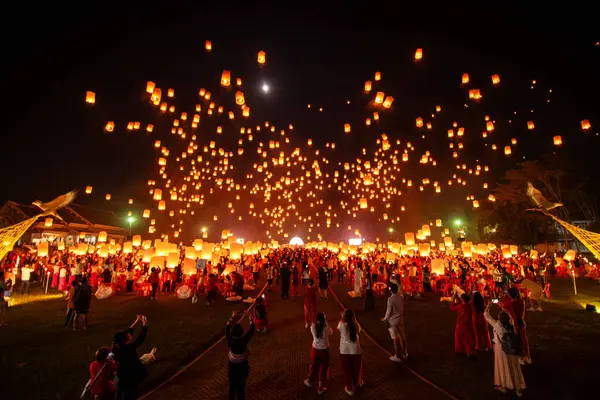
{"x": 53, "y": 142}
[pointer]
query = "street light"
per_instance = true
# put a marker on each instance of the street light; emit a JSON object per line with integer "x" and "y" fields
{"x": 458, "y": 222}
{"x": 130, "y": 220}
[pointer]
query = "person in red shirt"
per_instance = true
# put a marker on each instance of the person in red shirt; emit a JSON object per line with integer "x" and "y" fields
{"x": 310, "y": 303}
{"x": 154, "y": 280}
{"x": 211, "y": 289}
{"x": 463, "y": 333}
{"x": 102, "y": 375}
{"x": 480, "y": 325}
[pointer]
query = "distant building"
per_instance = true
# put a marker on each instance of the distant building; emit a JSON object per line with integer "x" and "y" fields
{"x": 76, "y": 224}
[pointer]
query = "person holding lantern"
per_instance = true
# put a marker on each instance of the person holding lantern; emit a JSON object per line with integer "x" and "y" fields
{"x": 463, "y": 333}
{"x": 310, "y": 303}
{"x": 238, "y": 368}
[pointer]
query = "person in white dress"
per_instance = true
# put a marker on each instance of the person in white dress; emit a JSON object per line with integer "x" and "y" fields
{"x": 507, "y": 370}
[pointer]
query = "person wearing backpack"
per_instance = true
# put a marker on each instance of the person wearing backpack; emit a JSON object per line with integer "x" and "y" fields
{"x": 507, "y": 350}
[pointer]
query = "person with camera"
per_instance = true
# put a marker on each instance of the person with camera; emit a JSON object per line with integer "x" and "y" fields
{"x": 131, "y": 372}
{"x": 238, "y": 368}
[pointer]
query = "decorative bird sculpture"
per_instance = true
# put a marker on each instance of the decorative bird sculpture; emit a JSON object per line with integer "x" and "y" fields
{"x": 148, "y": 357}
{"x": 539, "y": 200}
{"x": 51, "y": 207}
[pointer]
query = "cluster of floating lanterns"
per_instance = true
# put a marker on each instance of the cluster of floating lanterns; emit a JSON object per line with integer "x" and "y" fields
{"x": 272, "y": 178}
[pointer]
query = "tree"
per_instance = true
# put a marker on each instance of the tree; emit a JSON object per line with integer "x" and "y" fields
{"x": 512, "y": 217}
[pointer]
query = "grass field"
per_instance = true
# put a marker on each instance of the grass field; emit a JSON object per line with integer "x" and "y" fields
{"x": 564, "y": 341}
{"x": 40, "y": 359}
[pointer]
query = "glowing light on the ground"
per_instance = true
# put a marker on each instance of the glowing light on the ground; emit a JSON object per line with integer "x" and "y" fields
{"x": 355, "y": 241}
{"x": 296, "y": 241}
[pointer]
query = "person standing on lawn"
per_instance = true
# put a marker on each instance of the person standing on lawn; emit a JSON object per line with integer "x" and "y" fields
{"x": 319, "y": 354}
{"x": 82, "y": 300}
{"x": 394, "y": 316}
{"x": 463, "y": 333}
{"x": 238, "y": 368}
{"x": 130, "y": 372}
{"x": 507, "y": 370}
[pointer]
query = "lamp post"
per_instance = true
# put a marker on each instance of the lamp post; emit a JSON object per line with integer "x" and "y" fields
{"x": 130, "y": 220}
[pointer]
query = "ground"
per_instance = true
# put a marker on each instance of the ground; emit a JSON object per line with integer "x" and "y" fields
{"x": 46, "y": 361}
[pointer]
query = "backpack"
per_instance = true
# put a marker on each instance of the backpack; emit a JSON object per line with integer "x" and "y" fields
{"x": 512, "y": 343}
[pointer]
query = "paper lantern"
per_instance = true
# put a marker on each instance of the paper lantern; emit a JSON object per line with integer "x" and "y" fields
{"x": 226, "y": 78}
{"x": 585, "y": 125}
{"x": 108, "y": 196}
{"x": 426, "y": 230}
{"x": 419, "y": 122}
{"x": 173, "y": 260}
{"x": 102, "y": 236}
{"x": 379, "y": 98}
{"x": 368, "y": 86}
{"x": 465, "y": 78}
{"x": 418, "y": 54}
{"x": 208, "y": 45}
{"x": 190, "y": 252}
{"x": 189, "y": 266}
{"x": 150, "y": 87}
{"x": 570, "y": 255}
{"x": 409, "y": 238}
{"x": 162, "y": 205}
{"x": 467, "y": 251}
{"x": 347, "y": 128}
{"x": 42, "y": 249}
{"x": 438, "y": 222}
{"x": 507, "y": 150}
{"x": 48, "y": 222}
{"x": 557, "y": 140}
{"x": 235, "y": 251}
{"x": 157, "y": 262}
{"x": 424, "y": 249}
{"x": 437, "y": 266}
{"x": 136, "y": 240}
{"x": 198, "y": 244}
{"x": 103, "y": 251}
{"x": 262, "y": 57}
{"x": 90, "y": 97}
{"x": 363, "y": 203}
{"x": 530, "y": 125}
{"x": 495, "y": 79}
{"x": 533, "y": 254}
{"x": 448, "y": 241}
{"x": 506, "y": 252}
{"x": 489, "y": 126}
{"x": 127, "y": 247}
{"x": 88, "y": 190}
{"x": 147, "y": 255}
{"x": 389, "y": 100}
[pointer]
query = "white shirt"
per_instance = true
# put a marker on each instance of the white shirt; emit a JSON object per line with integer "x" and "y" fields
{"x": 346, "y": 345}
{"x": 322, "y": 342}
{"x": 499, "y": 329}
{"x": 395, "y": 309}
{"x": 26, "y": 273}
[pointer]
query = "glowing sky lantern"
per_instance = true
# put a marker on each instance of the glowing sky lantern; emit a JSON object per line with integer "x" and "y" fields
{"x": 90, "y": 97}
{"x": 418, "y": 54}
{"x": 262, "y": 57}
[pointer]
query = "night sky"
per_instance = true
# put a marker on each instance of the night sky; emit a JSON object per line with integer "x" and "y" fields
{"x": 54, "y": 142}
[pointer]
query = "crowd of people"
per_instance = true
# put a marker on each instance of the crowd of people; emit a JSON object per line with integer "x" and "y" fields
{"x": 471, "y": 285}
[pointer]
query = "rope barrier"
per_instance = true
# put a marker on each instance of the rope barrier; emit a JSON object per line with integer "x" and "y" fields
{"x": 188, "y": 365}
{"x": 412, "y": 371}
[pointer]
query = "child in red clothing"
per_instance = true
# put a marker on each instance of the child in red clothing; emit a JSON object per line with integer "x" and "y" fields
{"x": 260, "y": 315}
{"x": 102, "y": 375}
